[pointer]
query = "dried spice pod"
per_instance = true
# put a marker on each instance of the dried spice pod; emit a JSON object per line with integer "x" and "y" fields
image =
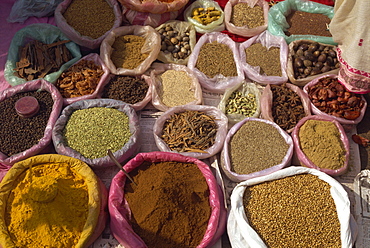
{"x": 331, "y": 99}
{"x": 308, "y": 60}
{"x": 203, "y": 129}
{"x": 285, "y": 105}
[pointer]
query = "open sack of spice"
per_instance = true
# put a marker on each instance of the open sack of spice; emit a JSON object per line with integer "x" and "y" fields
{"x": 331, "y": 99}
{"x": 28, "y": 114}
{"x": 255, "y": 147}
{"x": 178, "y": 39}
{"x": 192, "y": 130}
{"x": 130, "y": 50}
{"x": 297, "y": 205}
{"x": 38, "y": 51}
{"x": 246, "y": 17}
{"x": 87, "y": 22}
{"x": 154, "y": 6}
{"x": 321, "y": 143}
{"x": 174, "y": 85}
{"x": 241, "y": 101}
{"x": 133, "y": 90}
{"x": 206, "y": 16}
{"x": 183, "y": 203}
{"x": 51, "y": 200}
{"x": 88, "y": 128}
{"x": 301, "y": 20}
{"x": 134, "y": 17}
{"x": 216, "y": 63}
{"x": 264, "y": 58}
{"x": 310, "y": 59}
{"x": 83, "y": 79}
{"x": 284, "y": 104}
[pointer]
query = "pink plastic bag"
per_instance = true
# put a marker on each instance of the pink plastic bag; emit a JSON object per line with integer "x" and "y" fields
{"x": 155, "y": 7}
{"x": 267, "y": 40}
{"x": 225, "y": 155}
{"x": 158, "y": 69}
{"x": 316, "y": 111}
{"x": 221, "y": 121}
{"x": 75, "y": 36}
{"x": 147, "y": 18}
{"x": 219, "y": 83}
{"x": 40, "y": 84}
{"x": 97, "y": 60}
{"x": 245, "y": 31}
{"x": 304, "y": 160}
{"x": 120, "y": 212}
{"x": 267, "y": 97}
{"x": 122, "y": 155}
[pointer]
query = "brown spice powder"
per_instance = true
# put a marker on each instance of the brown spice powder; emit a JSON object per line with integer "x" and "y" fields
{"x": 127, "y": 51}
{"x": 170, "y": 206}
{"x": 306, "y": 23}
{"x": 267, "y": 59}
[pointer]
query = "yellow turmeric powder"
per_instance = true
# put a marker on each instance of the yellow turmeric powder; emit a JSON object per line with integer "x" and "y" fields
{"x": 48, "y": 207}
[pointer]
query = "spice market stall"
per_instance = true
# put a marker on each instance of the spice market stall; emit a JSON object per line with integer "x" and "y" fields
{"x": 184, "y": 73}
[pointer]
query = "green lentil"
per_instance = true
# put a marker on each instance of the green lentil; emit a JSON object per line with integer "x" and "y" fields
{"x": 295, "y": 211}
{"x": 244, "y": 15}
{"x": 93, "y": 131}
{"x": 256, "y": 146}
{"x": 239, "y": 104}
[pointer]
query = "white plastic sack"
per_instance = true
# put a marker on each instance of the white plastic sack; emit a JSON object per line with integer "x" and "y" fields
{"x": 158, "y": 69}
{"x": 216, "y": 26}
{"x": 242, "y": 235}
{"x": 267, "y": 40}
{"x": 219, "y": 83}
{"x": 152, "y": 46}
{"x": 221, "y": 121}
{"x": 245, "y": 31}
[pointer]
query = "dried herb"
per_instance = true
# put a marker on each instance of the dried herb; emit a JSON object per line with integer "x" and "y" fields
{"x": 190, "y": 131}
{"x": 37, "y": 59}
{"x": 287, "y": 107}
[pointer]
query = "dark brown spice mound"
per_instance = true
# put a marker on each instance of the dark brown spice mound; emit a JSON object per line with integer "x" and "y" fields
{"x": 305, "y": 23}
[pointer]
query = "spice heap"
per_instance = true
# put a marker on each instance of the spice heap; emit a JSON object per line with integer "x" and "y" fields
{"x": 129, "y": 89}
{"x": 312, "y": 58}
{"x": 296, "y": 211}
{"x": 205, "y": 16}
{"x": 287, "y": 108}
{"x": 306, "y": 23}
{"x": 47, "y": 208}
{"x": 190, "y": 131}
{"x": 37, "y": 59}
{"x": 267, "y": 59}
{"x": 176, "y": 88}
{"x": 174, "y": 42}
{"x": 176, "y": 210}
{"x": 126, "y": 51}
{"x": 331, "y": 97}
{"x": 320, "y": 141}
{"x": 18, "y": 134}
{"x": 240, "y": 104}
{"x": 244, "y": 15}
{"x": 80, "y": 79}
{"x": 216, "y": 58}
{"x": 256, "y": 146}
{"x": 93, "y": 131}
{"x": 91, "y": 18}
